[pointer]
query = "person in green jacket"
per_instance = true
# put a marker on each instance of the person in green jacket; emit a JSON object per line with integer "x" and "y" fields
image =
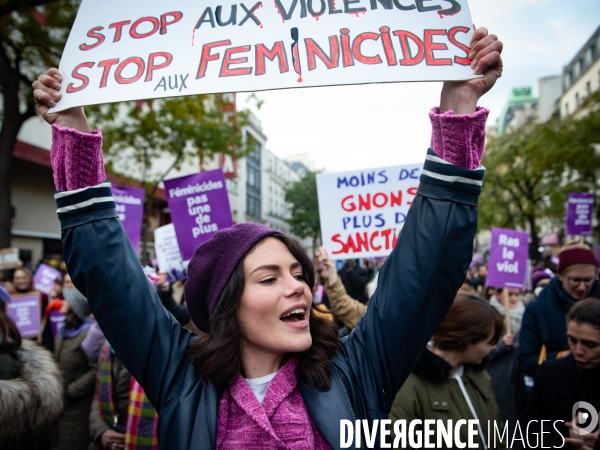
{"x": 449, "y": 383}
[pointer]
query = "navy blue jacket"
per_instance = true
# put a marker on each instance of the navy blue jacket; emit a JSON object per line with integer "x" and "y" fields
{"x": 545, "y": 323}
{"x": 417, "y": 285}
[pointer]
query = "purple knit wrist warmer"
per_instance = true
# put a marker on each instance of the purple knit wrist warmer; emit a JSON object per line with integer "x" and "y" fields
{"x": 459, "y": 139}
{"x": 76, "y": 158}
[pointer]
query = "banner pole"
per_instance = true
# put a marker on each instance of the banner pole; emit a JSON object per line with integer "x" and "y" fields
{"x": 506, "y": 311}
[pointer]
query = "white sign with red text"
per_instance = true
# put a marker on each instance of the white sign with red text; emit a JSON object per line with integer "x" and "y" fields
{"x": 140, "y": 49}
{"x": 363, "y": 211}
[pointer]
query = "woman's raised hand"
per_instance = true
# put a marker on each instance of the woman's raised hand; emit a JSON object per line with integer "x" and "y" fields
{"x": 462, "y": 96}
{"x": 46, "y": 92}
{"x": 329, "y": 273}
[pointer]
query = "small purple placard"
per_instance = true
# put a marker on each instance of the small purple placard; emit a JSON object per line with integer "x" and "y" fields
{"x": 55, "y": 318}
{"x": 44, "y": 277}
{"x": 580, "y": 208}
{"x": 199, "y": 207}
{"x": 130, "y": 207}
{"x": 25, "y": 313}
{"x": 507, "y": 266}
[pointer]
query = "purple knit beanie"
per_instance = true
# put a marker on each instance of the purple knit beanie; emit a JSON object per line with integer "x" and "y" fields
{"x": 212, "y": 265}
{"x": 538, "y": 274}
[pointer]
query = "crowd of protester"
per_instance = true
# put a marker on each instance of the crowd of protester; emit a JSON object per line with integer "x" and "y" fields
{"x": 268, "y": 349}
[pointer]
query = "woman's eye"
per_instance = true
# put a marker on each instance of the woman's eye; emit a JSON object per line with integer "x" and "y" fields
{"x": 268, "y": 281}
{"x": 300, "y": 277}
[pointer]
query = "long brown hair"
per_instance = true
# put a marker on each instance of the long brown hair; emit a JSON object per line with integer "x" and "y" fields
{"x": 8, "y": 330}
{"x": 470, "y": 320}
{"x": 217, "y": 355}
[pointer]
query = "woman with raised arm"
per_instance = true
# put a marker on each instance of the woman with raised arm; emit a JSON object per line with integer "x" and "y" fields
{"x": 269, "y": 373}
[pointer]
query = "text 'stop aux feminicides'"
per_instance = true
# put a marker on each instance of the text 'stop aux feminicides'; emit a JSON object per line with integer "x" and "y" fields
{"x": 142, "y": 49}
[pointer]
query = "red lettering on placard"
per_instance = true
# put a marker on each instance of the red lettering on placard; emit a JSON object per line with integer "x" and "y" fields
{"x": 176, "y": 15}
{"x": 207, "y": 57}
{"x": 347, "y": 60}
{"x": 452, "y": 38}
{"x": 106, "y": 65}
{"x": 378, "y": 200}
{"x": 358, "y": 40}
{"x": 388, "y": 47}
{"x": 139, "y": 62}
{"x": 93, "y": 33}
{"x": 152, "y": 66}
{"x": 118, "y": 26}
{"x": 133, "y": 30}
{"x": 365, "y": 241}
{"x": 430, "y": 46}
{"x": 408, "y": 59}
{"x": 75, "y": 74}
{"x": 261, "y": 52}
{"x": 226, "y": 71}
{"x": 314, "y": 50}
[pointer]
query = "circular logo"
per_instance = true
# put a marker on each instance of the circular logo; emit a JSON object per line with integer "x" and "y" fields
{"x": 585, "y": 418}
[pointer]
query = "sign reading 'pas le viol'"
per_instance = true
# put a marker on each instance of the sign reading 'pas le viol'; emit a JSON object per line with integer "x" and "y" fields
{"x": 137, "y": 49}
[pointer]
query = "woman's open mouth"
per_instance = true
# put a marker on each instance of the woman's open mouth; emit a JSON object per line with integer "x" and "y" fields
{"x": 296, "y": 315}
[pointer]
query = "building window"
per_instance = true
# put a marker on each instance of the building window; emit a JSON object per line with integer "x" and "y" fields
{"x": 566, "y": 109}
{"x": 589, "y": 55}
{"x": 577, "y": 100}
{"x": 577, "y": 70}
{"x": 253, "y": 177}
{"x": 567, "y": 80}
{"x": 588, "y": 87}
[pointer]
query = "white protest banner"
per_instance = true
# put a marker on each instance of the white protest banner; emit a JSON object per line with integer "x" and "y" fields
{"x": 167, "y": 252}
{"x": 363, "y": 211}
{"x": 140, "y": 49}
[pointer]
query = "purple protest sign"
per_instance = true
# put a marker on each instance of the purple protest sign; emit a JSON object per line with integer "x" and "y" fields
{"x": 55, "y": 318}
{"x": 579, "y": 214}
{"x": 24, "y": 310}
{"x": 507, "y": 266}
{"x": 44, "y": 277}
{"x": 199, "y": 207}
{"x": 130, "y": 206}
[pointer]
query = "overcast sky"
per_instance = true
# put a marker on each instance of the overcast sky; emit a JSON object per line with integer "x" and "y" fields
{"x": 353, "y": 127}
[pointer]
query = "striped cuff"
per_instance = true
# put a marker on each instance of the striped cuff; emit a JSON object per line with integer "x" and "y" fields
{"x": 84, "y": 200}
{"x": 442, "y": 180}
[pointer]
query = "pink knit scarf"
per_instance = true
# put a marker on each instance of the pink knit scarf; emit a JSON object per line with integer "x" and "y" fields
{"x": 281, "y": 422}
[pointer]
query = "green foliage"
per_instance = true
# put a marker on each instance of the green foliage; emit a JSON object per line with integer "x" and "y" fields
{"x": 139, "y": 134}
{"x": 531, "y": 171}
{"x": 32, "y": 36}
{"x": 302, "y": 195}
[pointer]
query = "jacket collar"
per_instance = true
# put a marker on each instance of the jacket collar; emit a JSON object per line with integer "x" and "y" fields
{"x": 436, "y": 370}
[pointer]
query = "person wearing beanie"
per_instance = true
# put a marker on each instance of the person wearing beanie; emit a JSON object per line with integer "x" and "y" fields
{"x": 267, "y": 372}
{"x": 77, "y": 370}
{"x": 544, "y": 327}
{"x": 540, "y": 277}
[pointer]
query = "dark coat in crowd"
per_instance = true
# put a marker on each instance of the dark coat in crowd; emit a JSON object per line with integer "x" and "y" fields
{"x": 179, "y": 311}
{"x": 430, "y": 393}
{"x": 30, "y": 402}
{"x": 560, "y": 384}
{"x": 121, "y": 380}
{"x": 79, "y": 374}
{"x": 417, "y": 285}
{"x": 501, "y": 365}
{"x": 355, "y": 281}
{"x": 545, "y": 323}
